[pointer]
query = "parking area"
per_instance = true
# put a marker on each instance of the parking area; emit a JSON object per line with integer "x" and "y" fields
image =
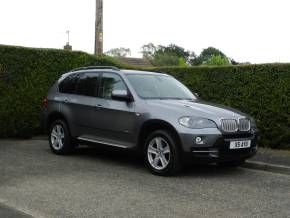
{"x": 94, "y": 182}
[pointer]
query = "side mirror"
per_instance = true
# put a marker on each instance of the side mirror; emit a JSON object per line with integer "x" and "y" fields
{"x": 121, "y": 95}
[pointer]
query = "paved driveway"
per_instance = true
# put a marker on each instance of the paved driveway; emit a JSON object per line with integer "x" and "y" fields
{"x": 99, "y": 183}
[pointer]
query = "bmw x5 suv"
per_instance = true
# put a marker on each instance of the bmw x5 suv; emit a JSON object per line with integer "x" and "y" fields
{"x": 149, "y": 112}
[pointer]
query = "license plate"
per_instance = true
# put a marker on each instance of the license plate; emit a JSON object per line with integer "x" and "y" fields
{"x": 240, "y": 144}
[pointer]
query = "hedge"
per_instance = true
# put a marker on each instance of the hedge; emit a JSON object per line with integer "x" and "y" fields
{"x": 263, "y": 91}
{"x": 26, "y": 74}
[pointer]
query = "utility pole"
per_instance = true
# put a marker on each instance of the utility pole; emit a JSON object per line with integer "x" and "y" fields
{"x": 67, "y": 46}
{"x": 99, "y": 28}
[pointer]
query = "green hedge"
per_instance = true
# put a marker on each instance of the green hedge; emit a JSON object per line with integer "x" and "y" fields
{"x": 25, "y": 77}
{"x": 262, "y": 91}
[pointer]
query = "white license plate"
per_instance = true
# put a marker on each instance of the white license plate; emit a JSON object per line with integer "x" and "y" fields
{"x": 240, "y": 144}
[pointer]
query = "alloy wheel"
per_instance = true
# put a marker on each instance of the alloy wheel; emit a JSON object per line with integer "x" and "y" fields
{"x": 57, "y": 137}
{"x": 158, "y": 153}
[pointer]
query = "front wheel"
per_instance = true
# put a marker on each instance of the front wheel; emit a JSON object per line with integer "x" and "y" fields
{"x": 59, "y": 138}
{"x": 161, "y": 153}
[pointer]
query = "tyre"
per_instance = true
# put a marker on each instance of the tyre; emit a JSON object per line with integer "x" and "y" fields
{"x": 232, "y": 164}
{"x": 161, "y": 153}
{"x": 60, "y": 140}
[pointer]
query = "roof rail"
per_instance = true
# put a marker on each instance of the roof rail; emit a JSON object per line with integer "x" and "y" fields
{"x": 96, "y": 68}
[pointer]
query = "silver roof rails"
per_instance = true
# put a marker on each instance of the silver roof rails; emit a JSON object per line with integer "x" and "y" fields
{"x": 96, "y": 68}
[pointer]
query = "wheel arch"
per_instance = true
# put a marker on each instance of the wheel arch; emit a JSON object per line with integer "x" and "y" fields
{"x": 53, "y": 117}
{"x": 155, "y": 124}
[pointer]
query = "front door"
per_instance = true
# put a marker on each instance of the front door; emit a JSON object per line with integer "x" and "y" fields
{"x": 116, "y": 119}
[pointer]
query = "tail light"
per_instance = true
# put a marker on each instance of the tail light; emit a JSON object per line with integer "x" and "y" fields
{"x": 45, "y": 102}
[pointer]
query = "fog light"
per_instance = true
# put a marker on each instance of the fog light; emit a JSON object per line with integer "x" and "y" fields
{"x": 198, "y": 140}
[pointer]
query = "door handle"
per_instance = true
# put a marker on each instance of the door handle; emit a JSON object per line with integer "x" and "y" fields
{"x": 65, "y": 101}
{"x": 99, "y": 106}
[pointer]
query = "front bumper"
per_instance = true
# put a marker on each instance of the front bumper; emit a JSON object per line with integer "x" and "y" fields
{"x": 216, "y": 146}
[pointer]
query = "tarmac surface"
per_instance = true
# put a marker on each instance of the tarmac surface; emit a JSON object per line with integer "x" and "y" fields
{"x": 94, "y": 182}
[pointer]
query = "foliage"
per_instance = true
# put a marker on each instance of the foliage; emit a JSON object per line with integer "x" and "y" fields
{"x": 25, "y": 76}
{"x": 217, "y": 60}
{"x": 119, "y": 52}
{"x": 171, "y": 55}
{"x": 182, "y": 63}
{"x": 165, "y": 59}
{"x": 205, "y": 55}
{"x": 263, "y": 91}
{"x": 148, "y": 51}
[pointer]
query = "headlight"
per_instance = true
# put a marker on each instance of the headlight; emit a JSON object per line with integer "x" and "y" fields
{"x": 196, "y": 123}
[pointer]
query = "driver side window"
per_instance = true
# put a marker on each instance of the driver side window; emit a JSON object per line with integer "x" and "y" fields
{"x": 109, "y": 83}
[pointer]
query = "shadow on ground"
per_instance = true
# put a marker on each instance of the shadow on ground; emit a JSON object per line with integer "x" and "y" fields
{"x": 133, "y": 160}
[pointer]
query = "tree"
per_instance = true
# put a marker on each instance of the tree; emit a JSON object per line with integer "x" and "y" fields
{"x": 217, "y": 60}
{"x": 148, "y": 51}
{"x": 165, "y": 59}
{"x": 174, "y": 50}
{"x": 205, "y": 55}
{"x": 171, "y": 55}
{"x": 119, "y": 52}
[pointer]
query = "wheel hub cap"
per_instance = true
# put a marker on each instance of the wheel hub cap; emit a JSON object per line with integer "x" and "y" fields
{"x": 158, "y": 153}
{"x": 57, "y": 137}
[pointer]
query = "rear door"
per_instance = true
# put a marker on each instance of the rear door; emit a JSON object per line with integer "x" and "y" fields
{"x": 67, "y": 88}
{"x": 85, "y": 113}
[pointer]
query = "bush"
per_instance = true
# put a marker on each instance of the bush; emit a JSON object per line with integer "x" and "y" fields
{"x": 263, "y": 91}
{"x": 25, "y": 76}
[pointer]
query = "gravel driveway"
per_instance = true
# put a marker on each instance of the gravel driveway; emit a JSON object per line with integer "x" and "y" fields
{"x": 100, "y": 183}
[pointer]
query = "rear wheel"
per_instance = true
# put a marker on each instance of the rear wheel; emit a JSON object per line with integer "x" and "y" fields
{"x": 161, "y": 153}
{"x": 60, "y": 140}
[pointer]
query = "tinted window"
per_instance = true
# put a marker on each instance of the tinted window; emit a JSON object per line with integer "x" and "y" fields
{"x": 68, "y": 85}
{"x": 88, "y": 84}
{"x": 111, "y": 82}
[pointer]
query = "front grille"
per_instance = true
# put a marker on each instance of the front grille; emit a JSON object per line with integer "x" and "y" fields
{"x": 229, "y": 125}
{"x": 244, "y": 124}
{"x": 232, "y": 125}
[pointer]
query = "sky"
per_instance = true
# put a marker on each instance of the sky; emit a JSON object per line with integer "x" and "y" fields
{"x": 256, "y": 31}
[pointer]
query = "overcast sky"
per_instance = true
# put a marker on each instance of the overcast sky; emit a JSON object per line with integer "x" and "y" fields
{"x": 257, "y": 31}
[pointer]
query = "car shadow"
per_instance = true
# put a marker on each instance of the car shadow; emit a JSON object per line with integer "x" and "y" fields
{"x": 134, "y": 160}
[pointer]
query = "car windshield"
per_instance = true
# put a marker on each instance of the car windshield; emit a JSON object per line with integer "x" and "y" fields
{"x": 159, "y": 87}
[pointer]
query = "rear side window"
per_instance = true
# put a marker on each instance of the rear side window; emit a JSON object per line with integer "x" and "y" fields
{"x": 111, "y": 82}
{"x": 68, "y": 85}
{"x": 88, "y": 84}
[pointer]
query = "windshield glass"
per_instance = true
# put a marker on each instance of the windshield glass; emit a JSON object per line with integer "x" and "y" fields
{"x": 159, "y": 87}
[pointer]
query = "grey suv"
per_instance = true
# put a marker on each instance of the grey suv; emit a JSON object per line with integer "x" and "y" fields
{"x": 150, "y": 112}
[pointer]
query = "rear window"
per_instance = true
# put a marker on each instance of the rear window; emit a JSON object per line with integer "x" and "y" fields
{"x": 88, "y": 84}
{"x": 68, "y": 85}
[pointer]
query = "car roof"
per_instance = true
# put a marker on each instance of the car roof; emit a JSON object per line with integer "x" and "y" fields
{"x": 120, "y": 72}
{"x": 113, "y": 69}
{"x": 140, "y": 72}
